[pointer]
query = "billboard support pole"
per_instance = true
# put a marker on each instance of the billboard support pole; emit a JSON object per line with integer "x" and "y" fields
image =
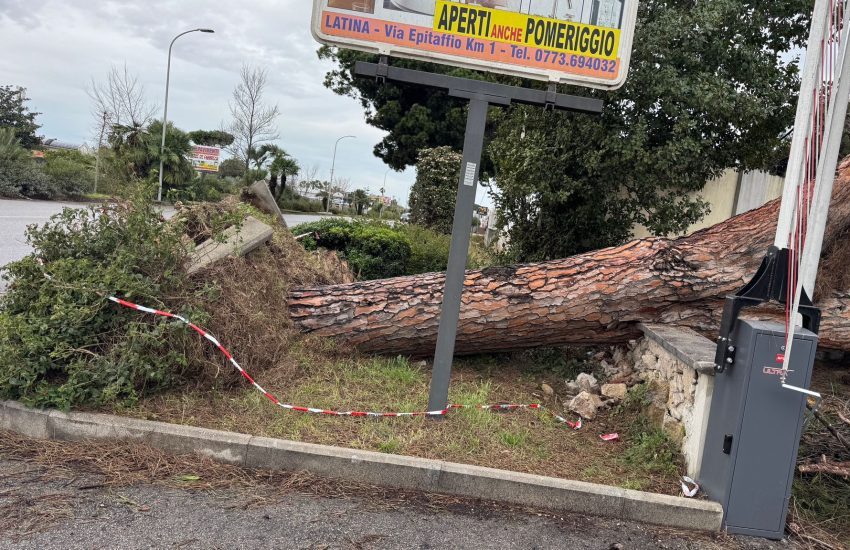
{"x": 480, "y": 95}
{"x": 473, "y": 145}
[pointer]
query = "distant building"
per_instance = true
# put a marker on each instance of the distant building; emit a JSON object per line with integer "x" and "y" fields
{"x": 731, "y": 194}
{"x": 58, "y": 145}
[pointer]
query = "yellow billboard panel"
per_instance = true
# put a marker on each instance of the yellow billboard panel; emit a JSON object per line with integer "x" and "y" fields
{"x": 583, "y": 42}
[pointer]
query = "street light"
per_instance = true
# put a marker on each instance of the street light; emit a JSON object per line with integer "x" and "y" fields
{"x": 333, "y": 165}
{"x": 165, "y": 109}
{"x": 383, "y": 190}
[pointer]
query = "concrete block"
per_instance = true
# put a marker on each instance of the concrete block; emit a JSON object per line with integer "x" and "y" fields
{"x": 691, "y": 348}
{"x": 697, "y": 428}
{"x": 75, "y": 426}
{"x": 237, "y": 242}
{"x": 17, "y": 418}
{"x": 531, "y": 490}
{"x": 265, "y": 201}
{"x": 228, "y": 447}
{"x": 679, "y": 512}
{"x": 362, "y": 466}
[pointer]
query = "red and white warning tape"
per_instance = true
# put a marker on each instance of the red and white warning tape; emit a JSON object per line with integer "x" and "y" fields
{"x": 499, "y": 407}
{"x": 689, "y": 487}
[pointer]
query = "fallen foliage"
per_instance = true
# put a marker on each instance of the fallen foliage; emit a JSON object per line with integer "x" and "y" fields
{"x": 246, "y": 298}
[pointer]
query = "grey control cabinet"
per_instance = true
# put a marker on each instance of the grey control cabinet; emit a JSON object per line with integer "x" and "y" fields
{"x": 754, "y": 429}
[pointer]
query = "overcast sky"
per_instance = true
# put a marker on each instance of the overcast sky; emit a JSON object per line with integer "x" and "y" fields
{"x": 54, "y": 47}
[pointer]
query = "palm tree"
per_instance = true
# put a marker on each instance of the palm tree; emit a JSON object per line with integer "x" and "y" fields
{"x": 360, "y": 200}
{"x": 260, "y": 156}
{"x": 128, "y": 143}
{"x": 283, "y": 166}
{"x": 177, "y": 168}
{"x": 10, "y": 147}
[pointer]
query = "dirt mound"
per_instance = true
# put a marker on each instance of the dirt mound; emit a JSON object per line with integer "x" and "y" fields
{"x": 247, "y": 296}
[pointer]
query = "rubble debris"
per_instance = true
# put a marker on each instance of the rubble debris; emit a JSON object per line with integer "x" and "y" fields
{"x": 587, "y": 382}
{"x": 586, "y": 404}
{"x": 615, "y": 391}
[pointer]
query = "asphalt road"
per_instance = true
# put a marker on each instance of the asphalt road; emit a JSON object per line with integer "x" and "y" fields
{"x": 66, "y": 509}
{"x": 16, "y": 215}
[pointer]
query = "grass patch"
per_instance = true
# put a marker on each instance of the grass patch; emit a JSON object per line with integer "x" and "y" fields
{"x": 649, "y": 449}
{"x": 523, "y": 441}
{"x": 653, "y": 452}
{"x": 514, "y": 439}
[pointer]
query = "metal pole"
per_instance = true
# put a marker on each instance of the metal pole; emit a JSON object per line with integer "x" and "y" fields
{"x": 825, "y": 179}
{"x": 99, "y": 147}
{"x": 480, "y": 95}
{"x": 805, "y": 104}
{"x": 333, "y": 165}
{"x": 826, "y": 168}
{"x": 450, "y": 313}
{"x": 383, "y": 190}
{"x": 165, "y": 108}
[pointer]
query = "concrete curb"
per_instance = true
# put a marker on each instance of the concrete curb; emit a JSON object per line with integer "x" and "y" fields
{"x": 370, "y": 467}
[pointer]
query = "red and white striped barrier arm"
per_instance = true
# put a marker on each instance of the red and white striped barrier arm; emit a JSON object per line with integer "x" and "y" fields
{"x": 500, "y": 407}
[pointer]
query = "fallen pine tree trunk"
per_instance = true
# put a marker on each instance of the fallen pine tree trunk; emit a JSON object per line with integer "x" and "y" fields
{"x": 592, "y": 298}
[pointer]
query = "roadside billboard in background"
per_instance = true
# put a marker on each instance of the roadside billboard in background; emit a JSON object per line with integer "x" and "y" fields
{"x": 206, "y": 159}
{"x": 583, "y": 42}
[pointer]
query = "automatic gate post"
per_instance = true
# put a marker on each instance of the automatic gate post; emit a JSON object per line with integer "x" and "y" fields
{"x": 481, "y": 95}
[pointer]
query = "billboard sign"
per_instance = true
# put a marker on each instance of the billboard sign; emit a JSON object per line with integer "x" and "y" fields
{"x": 583, "y": 42}
{"x": 206, "y": 159}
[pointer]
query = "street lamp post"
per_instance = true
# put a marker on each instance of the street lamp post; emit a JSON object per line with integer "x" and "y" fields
{"x": 383, "y": 190}
{"x": 165, "y": 108}
{"x": 333, "y": 165}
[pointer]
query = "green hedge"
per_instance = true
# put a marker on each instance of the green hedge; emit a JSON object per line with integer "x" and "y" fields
{"x": 374, "y": 251}
{"x": 377, "y": 250}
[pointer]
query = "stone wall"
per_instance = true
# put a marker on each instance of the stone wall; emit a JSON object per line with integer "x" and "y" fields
{"x": 678, "y": 366}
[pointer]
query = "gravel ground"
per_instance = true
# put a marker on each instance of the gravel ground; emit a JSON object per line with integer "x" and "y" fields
{"x": 63, "y": 509}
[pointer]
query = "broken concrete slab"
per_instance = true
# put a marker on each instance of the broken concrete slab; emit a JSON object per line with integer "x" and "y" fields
{"x": 234, "y": 241}
{"x": 265, "y": 201}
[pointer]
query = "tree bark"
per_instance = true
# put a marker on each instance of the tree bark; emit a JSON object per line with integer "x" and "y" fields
{"x": 592, "y": 298}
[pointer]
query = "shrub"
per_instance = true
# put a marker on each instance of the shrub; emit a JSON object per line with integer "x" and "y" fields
{"x": 429, "y": 249}
{"x": 26, "y": 179}
{"x": 300, "y": 205}
{"x": 290, "y": 200}
{"x": 374, "y": 251}
{"x": 204, "y": 187}
{"x": 61, "y": 343}
{"x": 377, "y": 250}
{"x": 71, "y": 172}
{"x": 62, "y": 174}
{"x": 433, "y": 195}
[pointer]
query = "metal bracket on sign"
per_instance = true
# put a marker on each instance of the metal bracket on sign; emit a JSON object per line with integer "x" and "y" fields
{"x": 383, "y": 70}
{"x": 551, "y": 96}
